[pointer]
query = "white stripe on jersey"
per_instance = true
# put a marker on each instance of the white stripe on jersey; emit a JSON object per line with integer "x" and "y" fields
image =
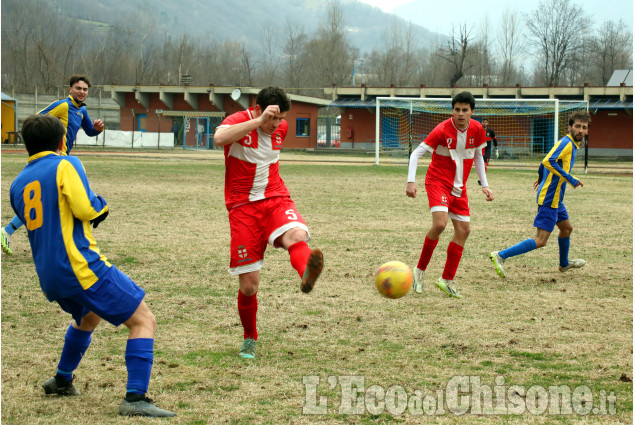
{"x": 458, "y": 155}
{"x": 261, "y": 179}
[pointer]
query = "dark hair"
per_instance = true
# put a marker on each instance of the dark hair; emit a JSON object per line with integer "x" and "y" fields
{"x": 273, "y": 96}
{"x": 485, "y": 119}
{"x": 42, "y": 133}
{"x": 464, "y": 97}
{"x": 79, "y": 77}
{"x": 582, "y": 116}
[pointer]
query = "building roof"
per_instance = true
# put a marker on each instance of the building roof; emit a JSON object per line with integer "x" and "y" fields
{"x": 6, "y": 97}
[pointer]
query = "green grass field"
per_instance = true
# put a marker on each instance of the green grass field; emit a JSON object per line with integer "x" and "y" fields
{"x": 519, "y": 338}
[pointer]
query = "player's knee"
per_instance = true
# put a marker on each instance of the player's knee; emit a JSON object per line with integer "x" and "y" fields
{"x": 540, "y": 242}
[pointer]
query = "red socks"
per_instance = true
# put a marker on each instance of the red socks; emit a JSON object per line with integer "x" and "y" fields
{"x": 426, "y": 253}
{"x": 247, "y": 309}
{"x": 299, "y": 253}
{"x": 455, "y": 252}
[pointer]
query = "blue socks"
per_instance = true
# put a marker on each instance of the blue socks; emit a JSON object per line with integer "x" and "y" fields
{"x": 563, "y": 244}
{"x": 520, "y": 248}
{"x": 76, "y": 343}
{"x": 139, "y": 359}
{"x": 14, "y": 225}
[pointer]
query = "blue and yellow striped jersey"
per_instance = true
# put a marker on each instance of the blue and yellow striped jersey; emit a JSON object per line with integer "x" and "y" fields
{"x": 555, "y": 171}
{"x": 72, "y": 116}
{"x": 51, "y": 195}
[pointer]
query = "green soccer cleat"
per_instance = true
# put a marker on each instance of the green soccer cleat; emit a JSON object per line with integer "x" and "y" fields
{"x": 143, "y": 407}
{"x": 444, "y": 285}
{"x": 6, "y": 241}
{"x": 573, "y": 264}
{"x": 60, "y": 386}
{"x": 312, "y": 272}
{"x": 248, "y": 349}
{"x": 418, "y": 280}
{"x": 498, "y": 263}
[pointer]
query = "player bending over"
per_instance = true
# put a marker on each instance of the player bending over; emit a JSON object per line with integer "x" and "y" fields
{"x": 260, "y": 208}
{"x": 455, "y": 145}
{"x": 553, "y": 174}
{"x": 51, "y": 195}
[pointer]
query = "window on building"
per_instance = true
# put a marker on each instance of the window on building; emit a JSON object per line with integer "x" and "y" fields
{"x": 302, "y": 127}
{"x": 141, "y": 123}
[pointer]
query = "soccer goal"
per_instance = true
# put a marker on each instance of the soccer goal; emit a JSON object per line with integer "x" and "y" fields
{"x": 524, "y": 127}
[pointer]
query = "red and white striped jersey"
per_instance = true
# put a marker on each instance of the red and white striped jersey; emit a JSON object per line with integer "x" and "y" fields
{"x": 251, "y": 164}
{"x": 453, "y": 153}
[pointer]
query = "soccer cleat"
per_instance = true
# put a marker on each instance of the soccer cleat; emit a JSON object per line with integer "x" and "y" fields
{"x": 313, "y": 269}
{"x": 143, "y": 407}
{"x": 248, "y": 349}
{"x": 6, "y": 241}
{"x": 418, "y": 284}
{"x": 444, "y": 285}
{"x": 573, "y": 264}
{"x": 60, "y": 386}
{"x": 498, "y": 263}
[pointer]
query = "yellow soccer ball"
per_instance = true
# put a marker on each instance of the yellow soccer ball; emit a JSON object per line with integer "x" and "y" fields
{"x": 393, "y": 279}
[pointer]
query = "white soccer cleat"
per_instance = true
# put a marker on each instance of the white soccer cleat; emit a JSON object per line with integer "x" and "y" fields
{"x": 418, "y": 284}
{"x": 573, "y": 264}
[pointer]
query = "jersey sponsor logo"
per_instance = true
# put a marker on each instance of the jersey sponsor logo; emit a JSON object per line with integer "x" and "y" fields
{"x": 276, "y": 140}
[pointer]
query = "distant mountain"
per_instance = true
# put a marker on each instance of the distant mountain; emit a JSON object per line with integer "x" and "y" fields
{"x": 245, "y": 21}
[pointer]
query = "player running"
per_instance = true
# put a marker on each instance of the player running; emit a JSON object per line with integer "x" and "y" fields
{"x": 553, "y": 174}
{"x": 52, "y": 196}
{"x": 455, "y": 144}
{"x": 260, "y": 208}
{"x": 72, "y": 114}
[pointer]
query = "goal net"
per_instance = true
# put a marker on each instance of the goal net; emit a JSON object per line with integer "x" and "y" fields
{"x": 524, "y": 127}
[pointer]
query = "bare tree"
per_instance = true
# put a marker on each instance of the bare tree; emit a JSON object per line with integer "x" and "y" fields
{"x": 556, "y": 29}
{"x": 612, "y": 49}
{"x": 508, "y": 40}
{"x": 456, "y": 52}
{"x": 294, "y": 45}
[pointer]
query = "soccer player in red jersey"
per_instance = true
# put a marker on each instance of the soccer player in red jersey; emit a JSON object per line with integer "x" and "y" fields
{"x": 455, "y": 144}
{"x": 260, "y": 208}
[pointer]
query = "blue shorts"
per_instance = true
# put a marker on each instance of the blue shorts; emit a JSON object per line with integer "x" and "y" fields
{"x": 114, "y": 298}
{"x": 547, "y": 217}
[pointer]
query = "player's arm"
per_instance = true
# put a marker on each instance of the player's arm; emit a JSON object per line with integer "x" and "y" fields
{"x": 411, "y": 186}
{"x": 92, "y": 128}
{"x": 228, "y": 134}
{"x": 73, "y": 184}
{"x": 562, "y": 151}
{"x": 479, "y": 164}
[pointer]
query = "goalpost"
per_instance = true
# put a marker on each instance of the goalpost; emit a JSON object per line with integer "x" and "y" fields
{"x": 523, "y": 127}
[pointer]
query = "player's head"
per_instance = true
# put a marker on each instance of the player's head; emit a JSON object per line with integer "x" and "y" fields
{"x": 485, "y": 122}
{"x": 579, "y": 123}
{"x": 42, "y": 133}
{"x": 79, "y": 84}
{"x": 273, "y": 96}
{"x": 462, "y": 109}
{"x": 464, "y": 97}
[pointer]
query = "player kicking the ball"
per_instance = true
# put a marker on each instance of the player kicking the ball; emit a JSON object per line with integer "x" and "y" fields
{"x": 455, "y": 145}
{"x": 260, "y": 208}
{"x": 553, "y": 176}
{"x": 52, "y": 197}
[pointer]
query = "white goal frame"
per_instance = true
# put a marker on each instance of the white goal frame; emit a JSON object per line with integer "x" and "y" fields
{"x": 557, "y": 106}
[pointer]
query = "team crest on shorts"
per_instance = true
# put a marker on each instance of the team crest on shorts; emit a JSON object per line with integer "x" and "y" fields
{"x": 444, "y": 199}
{"x": 242, "y": 251}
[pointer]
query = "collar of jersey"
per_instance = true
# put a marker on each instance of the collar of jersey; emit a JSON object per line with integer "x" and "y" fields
{"x": 40, "y": 155}
{"x": 75, "y": 103}
{"x": 573, "y": 140}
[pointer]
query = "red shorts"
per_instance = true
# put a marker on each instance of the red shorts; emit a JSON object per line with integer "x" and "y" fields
{"x": 441, "y": 199}
{"x": 254, "y": 225}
